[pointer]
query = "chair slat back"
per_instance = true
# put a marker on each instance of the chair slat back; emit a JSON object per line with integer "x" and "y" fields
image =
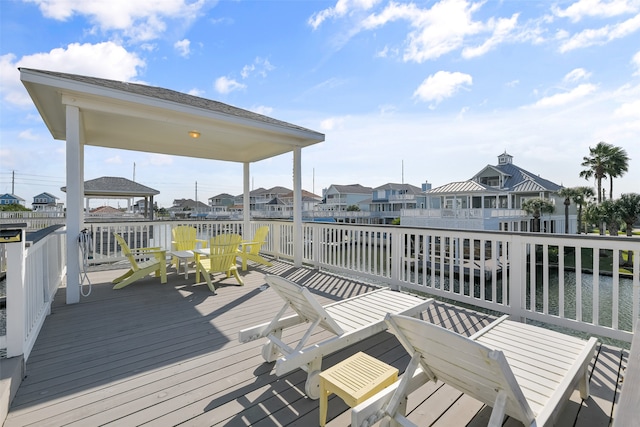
{"x": 222, "y": 251}
{"x": 467, "y": 365}
{"x": 303, "y": 303}
{"x": 184, "y": 238}
{"x": 126, "y": 251}
{"x": 259, "y": 236}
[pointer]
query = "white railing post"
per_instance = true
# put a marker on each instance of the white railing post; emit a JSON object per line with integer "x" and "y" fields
{"x": 396, "y": 235}
{"x": 315, "y": 245}
{"x": 517, "y": 262}
{"x": 16, "y": 303}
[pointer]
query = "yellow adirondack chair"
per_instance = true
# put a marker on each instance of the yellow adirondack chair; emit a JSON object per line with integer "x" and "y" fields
{"x": 221, "y": 259}
{"x": 155, "y": 262}
{"x": 184, "y": 239}
{"x": 250, "y": 249}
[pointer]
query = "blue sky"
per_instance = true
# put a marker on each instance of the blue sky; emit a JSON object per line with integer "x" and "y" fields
{"x": 415, "y": 91}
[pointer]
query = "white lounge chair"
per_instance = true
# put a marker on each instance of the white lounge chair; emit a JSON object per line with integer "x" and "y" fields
{"x": 523, "y": 371}
{"x": 350, "y": 320}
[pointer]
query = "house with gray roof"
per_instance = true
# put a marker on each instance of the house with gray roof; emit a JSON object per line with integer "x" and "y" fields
{"x": 491, "y": 200}
{"x": 11, "y": 199}
{"x": 340, "y": 197}
{"x": 46, "y": 202}
{"x": 390, "y": 199}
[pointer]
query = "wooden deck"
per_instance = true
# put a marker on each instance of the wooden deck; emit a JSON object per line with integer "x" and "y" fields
{"x": 163, "y": 355}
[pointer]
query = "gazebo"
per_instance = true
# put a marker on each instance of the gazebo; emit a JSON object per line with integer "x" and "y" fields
{"x": 111, "y": 187}
{"x": 86, "y": 110}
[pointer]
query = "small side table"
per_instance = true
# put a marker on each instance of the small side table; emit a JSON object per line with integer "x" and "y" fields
{"x": 184, "y": 257}
{"x": 355, "y": 380}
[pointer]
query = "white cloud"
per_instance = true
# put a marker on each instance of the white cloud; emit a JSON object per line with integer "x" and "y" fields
{"x": 502, "y": 30}
{"x": 342, "y": 8}
{"x": 114, "y": 160}
{"x": 183, "y": 47}
{"x": 436, "y": 31}
{"x": 262, "y": 109}
{"x": 560, "y": 99}
{"x": 259, "y": 67}
{"x": 332, "y": 123}
{"x": 576, "y": 75}
{"x": 140, "y": 20}
{"x": 628, "y": 109}
{"x": 441, "y": 85}
{"x": 226, "y": 85}
{"x": 159, "y": 160}
{"x": 196, "y": 92}
{"x": 106, "y": 60}
{"x": 597, "y": 8}
{"x": 28, "y": 134}
{"x": 636, "y": 63}
{"x": 601, "y": 36}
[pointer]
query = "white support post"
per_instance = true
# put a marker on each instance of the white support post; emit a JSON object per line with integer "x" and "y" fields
{"x": 297, "y": 207}
{"x": 75, "y": 195}
{"x": 515, "y": 258}
{"x": 16, "y": 298}
{"x": 246, "y": 205}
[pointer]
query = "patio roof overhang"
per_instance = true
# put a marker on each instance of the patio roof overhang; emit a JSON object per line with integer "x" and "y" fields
{"x": 86, "y": 110}
{"x": 137, "y": 117}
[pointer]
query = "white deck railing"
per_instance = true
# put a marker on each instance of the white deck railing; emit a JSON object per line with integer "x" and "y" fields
{"x": 547, "y": 278}
{"x": 35, "y": 271}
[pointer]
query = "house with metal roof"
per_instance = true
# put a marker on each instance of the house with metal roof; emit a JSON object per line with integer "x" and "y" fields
{"x": 491, "y": 200}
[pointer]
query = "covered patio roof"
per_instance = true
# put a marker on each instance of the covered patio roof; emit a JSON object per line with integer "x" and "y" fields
{"x": 86, "y": 110}
{"x": 137, "y": 117}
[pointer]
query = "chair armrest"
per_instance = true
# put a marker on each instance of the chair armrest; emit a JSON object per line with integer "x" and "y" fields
{"x": 148, "y": 251}
{"x": 151, "y": 249}
{"x": 248, "y": 244}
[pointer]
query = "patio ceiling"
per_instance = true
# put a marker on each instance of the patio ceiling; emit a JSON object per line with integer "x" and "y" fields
{"x": 144, "y": 118}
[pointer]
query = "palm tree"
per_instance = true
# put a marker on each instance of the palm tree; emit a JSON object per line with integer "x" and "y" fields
{"x": 617, "y": 165}
{"x": 594, "y": 215}
{"x": 568, "y": 194}
{"x": 581, "y": 196}
{"x": 536, "y": 207}
{"x": 611, "y": 216}
{"x": 629, "y": 207}
{"x": 596, "y": 164}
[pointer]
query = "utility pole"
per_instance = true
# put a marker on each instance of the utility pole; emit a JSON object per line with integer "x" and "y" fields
{"x": 13, "y": 182}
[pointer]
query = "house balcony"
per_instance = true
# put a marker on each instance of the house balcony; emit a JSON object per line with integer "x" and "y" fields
{"x": 168, "y": 354}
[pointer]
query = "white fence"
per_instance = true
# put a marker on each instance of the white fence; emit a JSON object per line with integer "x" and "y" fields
{"x": 35, "y": 270}
{"x": 542, "y": 277}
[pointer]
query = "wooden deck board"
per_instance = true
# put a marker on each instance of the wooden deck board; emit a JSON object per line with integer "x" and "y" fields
{"x": 159, "y": 355}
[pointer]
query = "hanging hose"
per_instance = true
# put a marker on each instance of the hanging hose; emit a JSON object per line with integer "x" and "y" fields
{"x": 85, "y": 242}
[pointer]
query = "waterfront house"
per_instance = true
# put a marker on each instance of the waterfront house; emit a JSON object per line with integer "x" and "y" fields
{"x": 390, "y": 199}
{"x": 11, "y": 199}
{"x": 338, "y": 198}
{"x": 46, "y": 202}
{"x": 491, "y": 200}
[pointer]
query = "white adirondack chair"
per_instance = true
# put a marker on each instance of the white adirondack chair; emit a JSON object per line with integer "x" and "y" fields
{"x": 350, "y": 321}
{"x": 520, "y": 370}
